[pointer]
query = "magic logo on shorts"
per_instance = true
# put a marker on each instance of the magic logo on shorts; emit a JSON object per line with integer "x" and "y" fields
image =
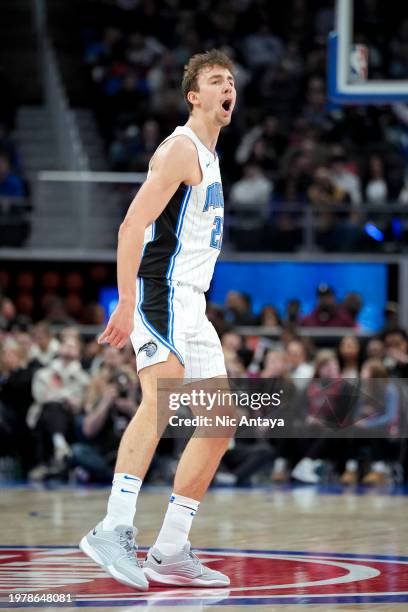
{"x": 149, "y": 348}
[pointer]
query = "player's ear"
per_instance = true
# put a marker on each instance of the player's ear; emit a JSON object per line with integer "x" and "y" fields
{"x": 192, "y": 97}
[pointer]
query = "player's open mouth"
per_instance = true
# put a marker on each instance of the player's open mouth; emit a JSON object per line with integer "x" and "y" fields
{"x": 226, "y": 105}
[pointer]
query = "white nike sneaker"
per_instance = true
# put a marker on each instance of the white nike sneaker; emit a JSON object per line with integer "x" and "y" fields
{"x": 116, "y": 552}
{"x": 183, "y": 568}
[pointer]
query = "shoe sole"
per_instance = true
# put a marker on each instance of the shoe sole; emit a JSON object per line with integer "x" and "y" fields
{"x": 92, "y": 554}
{"x": 175, "y": 580}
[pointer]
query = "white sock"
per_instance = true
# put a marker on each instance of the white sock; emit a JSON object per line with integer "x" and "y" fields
{"x": 122, "y": 501}
{"x": 177, "y": 524}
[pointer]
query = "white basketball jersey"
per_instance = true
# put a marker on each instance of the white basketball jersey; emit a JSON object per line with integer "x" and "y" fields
{"x": 185, "y": 240}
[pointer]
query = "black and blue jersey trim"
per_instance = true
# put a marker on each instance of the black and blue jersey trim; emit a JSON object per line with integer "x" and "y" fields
{"x": 155, "y": 324}
{"x": 156, "y": 290}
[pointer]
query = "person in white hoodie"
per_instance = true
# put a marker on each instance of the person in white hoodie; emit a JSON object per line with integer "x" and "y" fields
{"x": 58, "y": 391}
{"x": 252, "y": 191}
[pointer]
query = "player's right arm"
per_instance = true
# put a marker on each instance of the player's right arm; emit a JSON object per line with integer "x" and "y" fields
{"x": 174, "y": 163}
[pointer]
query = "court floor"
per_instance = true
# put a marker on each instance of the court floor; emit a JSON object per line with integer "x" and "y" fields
{"x": 290, "y": 548}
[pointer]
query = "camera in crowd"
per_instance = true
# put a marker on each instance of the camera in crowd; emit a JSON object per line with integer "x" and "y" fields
{"x": 122, "y": 383}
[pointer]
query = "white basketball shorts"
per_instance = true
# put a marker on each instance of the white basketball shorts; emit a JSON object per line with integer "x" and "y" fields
{"x": 171, "y": 317}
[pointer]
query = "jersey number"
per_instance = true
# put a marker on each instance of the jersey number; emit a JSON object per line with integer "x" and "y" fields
{"x": 216, "y": 234}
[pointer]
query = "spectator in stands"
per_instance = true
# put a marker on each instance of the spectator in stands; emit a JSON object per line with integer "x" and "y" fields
{"x": 375, "y": 349}
{"x": 58, "y": 392}
{"x": 276, "y": 365}
{"x": 343, "y": 176}
{"x": 133, "y": 148}
{"x": 396, "y": 352}
{"x": 300, "y": 370}
{"x": 55, "y": 311}
{"x": 235, "y": 365}
{"x": 111, "y": 363}
{"x": 270, "y": 134}
{"x": 314, "y": 110}
{"x": 8, "y": 148}
{"x": 11, "y": 185}
{"x": 45, "y": 346}
{"x": 249, "y": 207}
{"x": 252, "y": 192}
{"x": 262, "y": 48}
{"x": 215, "y": 315}
{"x": 376, "y": 188}
{"x": 97, "y": 50}
{"x": 16, "y": 376}
{"x": 142, "y": 50}
{"x": 7, "y": 311}
{"x": 276, "y": 370}
{"x": 150, "y": 139}
{"x": 323, "y": 21}
{"x": 391, "y": 316}
{"x": 94, "y": 314}
{"x": 335, "y": 230}
{"x": 231, "y": 342}
{"x": 399, "y": 50}
{"x": 71, "y": 332}
{"x": 269, "y": 317}
{"x": 251, "y": 456}
{"x": 293, "y": 312}
{"x": 328, "y": 406}
{"x": 238, "y": 309}
{"x": 378, "y": 417}
{"x": 349, "y": 357}
{"x": 289, "y": 130}
{"x": 327, "y": 313}
{"x": 352, "y": 305}
{"x": 21, "y": 334}
{"x": 237, "y": 356}
{"x": 111, "y": 401}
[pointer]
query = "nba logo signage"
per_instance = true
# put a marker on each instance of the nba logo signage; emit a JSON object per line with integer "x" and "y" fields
{"x": 358, "y": 63}
{"x": 258, "y": 577}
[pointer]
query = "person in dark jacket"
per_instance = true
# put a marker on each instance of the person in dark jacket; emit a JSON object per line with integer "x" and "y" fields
{"x": 327, "y": 313}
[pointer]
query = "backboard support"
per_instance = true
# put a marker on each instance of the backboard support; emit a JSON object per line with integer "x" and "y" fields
{"x": 340, "y": 88}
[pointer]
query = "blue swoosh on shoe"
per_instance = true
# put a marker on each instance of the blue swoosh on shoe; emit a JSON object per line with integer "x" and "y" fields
{"x": 126, "y": 491}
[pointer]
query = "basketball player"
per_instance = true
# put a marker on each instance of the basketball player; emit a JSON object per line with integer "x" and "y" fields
{"x": 170, "y": 240}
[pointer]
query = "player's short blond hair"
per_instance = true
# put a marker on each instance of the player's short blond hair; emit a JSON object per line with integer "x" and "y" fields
{"x": 196, "y": 64}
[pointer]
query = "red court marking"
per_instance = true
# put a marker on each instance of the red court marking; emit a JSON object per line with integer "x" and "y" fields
{"x": 255, "y": 577}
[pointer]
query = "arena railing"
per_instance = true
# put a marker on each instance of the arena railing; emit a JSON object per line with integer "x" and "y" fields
{"x": 70, "y": 148}
{"x": 324, "y": 334}
{"x": 87, "y": 205}
{"x": 384, "y": 226}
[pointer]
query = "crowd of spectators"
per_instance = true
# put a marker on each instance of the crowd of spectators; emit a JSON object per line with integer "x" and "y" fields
{"x": 65, "y": 400}
{"x": 13, "y": 186}
{"x": 288, "y": 150}
{"x": 59, "y": 295}
{"x": 12, "y": 182}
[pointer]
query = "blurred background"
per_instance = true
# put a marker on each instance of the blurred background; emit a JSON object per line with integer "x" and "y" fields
{"x": 312, "y": 283}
